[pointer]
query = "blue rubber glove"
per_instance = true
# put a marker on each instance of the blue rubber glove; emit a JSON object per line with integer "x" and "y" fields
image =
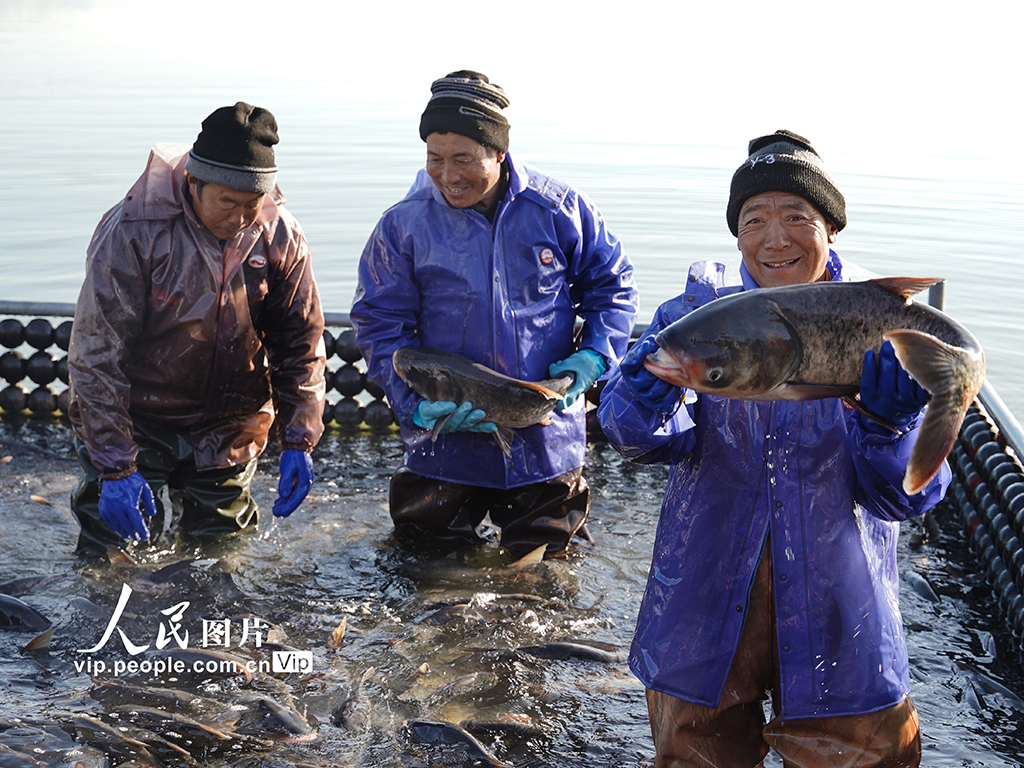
{"x": 646, "y": 387}
{"x": 296, "y": 480}
{"x": 888, "y": 391}
{"x": 463, "y": 418}
{"x": 119, "y": 506}
{"x": 587, "y": 365}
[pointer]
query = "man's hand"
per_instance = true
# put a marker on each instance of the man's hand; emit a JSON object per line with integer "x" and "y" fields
{"x": 296, "y": 480}
{"x": 119, "y": 506}
{"x": 646, "y": 387}
{"x": 587, "y": 365}
{"x": 461, "y": 418}
{"x": 888, "y": 391}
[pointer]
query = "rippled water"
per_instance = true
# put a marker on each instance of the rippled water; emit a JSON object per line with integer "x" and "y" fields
{"x": 335, "y": 560}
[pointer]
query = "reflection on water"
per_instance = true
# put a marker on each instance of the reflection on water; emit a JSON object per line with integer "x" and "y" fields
{"x": 396, "y": 636}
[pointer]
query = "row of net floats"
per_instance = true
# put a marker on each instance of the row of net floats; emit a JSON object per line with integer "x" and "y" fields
{"x": 988, "y": 490}
{"x": 42, "y": 368}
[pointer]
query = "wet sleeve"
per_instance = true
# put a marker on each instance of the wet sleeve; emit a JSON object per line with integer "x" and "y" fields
{"x": 880, "y": 460}
{"x": 638, "y": 432}
{"x": 385, "y": 311}
{"x": 110, "y": 309}
{"x": 601, "y": 285}
{"x": 294, "y": 336}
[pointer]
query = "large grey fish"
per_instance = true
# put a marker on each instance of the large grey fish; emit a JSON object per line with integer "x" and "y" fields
{"x": 441, "y": 733}
{"x": 509, "y": 403}
{"x": 805, "y": 342}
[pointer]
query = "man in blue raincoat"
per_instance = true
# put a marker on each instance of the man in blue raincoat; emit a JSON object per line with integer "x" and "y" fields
{"x": 493, "y": 260}
{"x": 774, "y": 565}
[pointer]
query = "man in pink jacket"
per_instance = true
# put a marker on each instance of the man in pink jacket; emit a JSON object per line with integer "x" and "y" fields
{"x": 198, "y": 327}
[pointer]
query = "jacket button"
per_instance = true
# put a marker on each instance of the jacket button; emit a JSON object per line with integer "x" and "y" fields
{"x": 783, "y": 577}
{"x": 778, "y": 505}
{"x": 689, "y": 298}
{"x": 785, "y": 648}
{"x": 739, "y": 609}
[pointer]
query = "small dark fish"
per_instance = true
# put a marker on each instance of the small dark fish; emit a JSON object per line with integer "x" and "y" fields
{"x": 14, "y": 614}
{"x": 569, "y": 651}
{"x": 921, "y": 585}
{"x": 353, "y": 711}
{"x": 115, "y": 694}
{"x": 806, "y": 342}
{"x": 174, "y": 728}
{"x": 266, "y": 718}
{"x": 439, "y": 733}
{"x": 467, "y": 684}
{"x": 509, "y": 403}
{"x": 984, "y": 683}
{"x": 511, "y": 726}
{"x": 26, "y": 584}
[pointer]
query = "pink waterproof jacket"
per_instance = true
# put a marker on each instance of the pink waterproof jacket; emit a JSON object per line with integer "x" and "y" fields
{"x": 174, "y": 326}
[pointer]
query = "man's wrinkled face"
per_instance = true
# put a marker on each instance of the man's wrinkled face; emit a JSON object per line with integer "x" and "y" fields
{"x": 224, "y": 211}
{"x": 466, "y": 172}
{"x": 784, "y": 239}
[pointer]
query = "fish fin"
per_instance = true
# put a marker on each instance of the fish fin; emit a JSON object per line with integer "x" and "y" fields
{"x": 40, "y": 641}
{"x": 547, "y": 420}
{"x": 953, "y": 376}
{"x": 549, "y": 388}
{"x": 907, "y": 286}
{"x": 436, "y": 429}
{"x": 339, "y": 633}
{"x": 559, "y": 386}
{"x": 118, "y": 556}
{"x": 859, "y": 406}
{"x": 504, "y": 437}
{"x": 584, "y": 533}
{"x": 536, "y": 557}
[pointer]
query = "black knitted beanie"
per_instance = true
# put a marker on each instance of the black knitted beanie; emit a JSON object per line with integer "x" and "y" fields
{"x": 785, "y": 162}
{"x": 236, "y": 149}
{"x": 467, "y": 103}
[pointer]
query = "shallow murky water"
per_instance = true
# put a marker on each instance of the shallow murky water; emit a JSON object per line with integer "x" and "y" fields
{"x": 440, "y": 633}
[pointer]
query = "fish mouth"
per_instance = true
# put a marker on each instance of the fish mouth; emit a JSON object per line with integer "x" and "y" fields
{"x": 670, "y": 368}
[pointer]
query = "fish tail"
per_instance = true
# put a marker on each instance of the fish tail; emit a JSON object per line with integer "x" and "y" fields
{"x": 953, "y": 375}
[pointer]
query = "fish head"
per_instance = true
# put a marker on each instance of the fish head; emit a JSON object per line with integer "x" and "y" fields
{"x": 735, "y": 349}
{"x": 425, "y": 371}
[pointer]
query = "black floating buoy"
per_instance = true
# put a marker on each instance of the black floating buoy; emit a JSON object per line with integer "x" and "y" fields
{"x": 346, "y": 347}
{"x": 62, "y": 401}
{"x": 378, "y": 415}
{"x": 39, "y": 333}
{"x": 328, "y": 344}
{"x": 61, "y": 369}
{"x": 41, "y": 401}
{"x": 40, "y": 368}
{"x": 349, "y": 380}
{"x": 348, "y": 413}
{"x": 328, "y": 412}
{"x": 12, "y": 367}
{"x": 62, "y": 335}
{"x": 373, "y": 389}
{"x": 328, "y": 380}
{"x": 13, "y": 399}
{"x": 12, "y": 333}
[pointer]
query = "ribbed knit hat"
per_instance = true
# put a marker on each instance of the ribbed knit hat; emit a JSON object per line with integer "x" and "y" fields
{"x": 467, "y": 103}
{"x": 785, "y": 162}
{"x": 236, "y": 149}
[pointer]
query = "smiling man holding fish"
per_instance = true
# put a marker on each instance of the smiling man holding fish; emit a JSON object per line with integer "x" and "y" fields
{"x": 774, "y": 567}
{"x": 493, "y": 261}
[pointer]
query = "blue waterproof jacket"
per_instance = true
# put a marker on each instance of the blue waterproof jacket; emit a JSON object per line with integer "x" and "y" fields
{"x": 825, "y": 483}
{"x": 505, "y": 295}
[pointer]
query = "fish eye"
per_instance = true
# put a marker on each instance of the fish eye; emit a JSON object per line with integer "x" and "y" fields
{"x": 714, "y": 375}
